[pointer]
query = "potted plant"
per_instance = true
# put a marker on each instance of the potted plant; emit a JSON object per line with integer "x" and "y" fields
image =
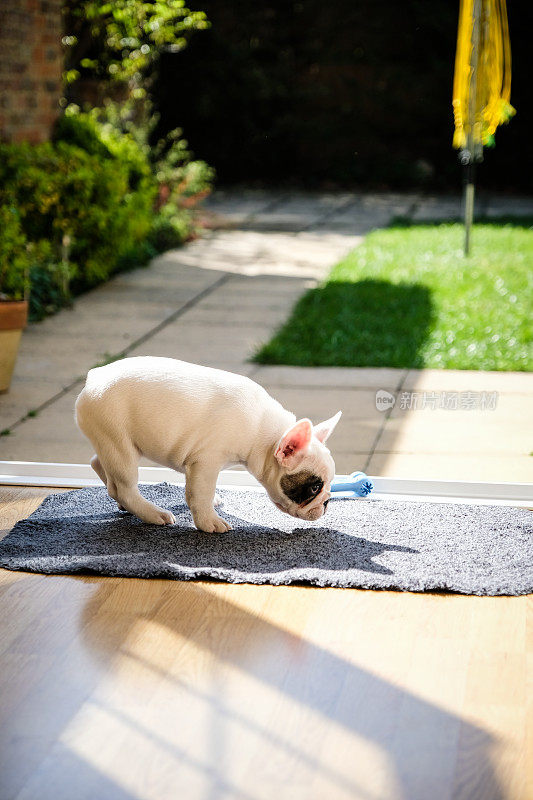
{"x": 14, "y": 282}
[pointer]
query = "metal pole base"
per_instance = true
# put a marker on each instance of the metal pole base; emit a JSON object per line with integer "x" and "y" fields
{"x": 469, "y": 214}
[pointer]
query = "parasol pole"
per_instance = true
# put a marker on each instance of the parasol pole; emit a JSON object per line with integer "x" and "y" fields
{"x": 469, "y": 155}
{"x": 468, "y": 202}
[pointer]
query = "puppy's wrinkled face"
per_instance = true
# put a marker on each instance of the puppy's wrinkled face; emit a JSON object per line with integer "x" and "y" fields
{"x": 306, "y": 492}
{"x": 306, "y": 470}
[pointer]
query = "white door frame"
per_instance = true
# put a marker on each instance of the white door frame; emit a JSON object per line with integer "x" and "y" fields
{"x": 35, "y": 473}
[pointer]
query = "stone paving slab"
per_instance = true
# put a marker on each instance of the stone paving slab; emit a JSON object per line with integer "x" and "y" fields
{"x": 108, "y": 311}
{"x": 505, "y": 429}
{"x": 300, "y": 212}
{"x": 498, "y": 206}
{"x": 236, "y": 207}
{"x": 278, "y": 253}
{"x": 435, "y": 208}
{"x": 356, "y": 378}
{"x": 439, "y": 208}
{"x": 111, "y": 318}
{"x": 468, "y": 380}
{"x": 51, "y": 436}
{"x": 265, "y": 275}
{"x": 486, "y": 429}
{"x": 369, "y": 212}
{"x": 214, "y": 315}
{"x": 212, "y": 348}
{"x": 449, "y": 467}
{"x": 319, "y": 402}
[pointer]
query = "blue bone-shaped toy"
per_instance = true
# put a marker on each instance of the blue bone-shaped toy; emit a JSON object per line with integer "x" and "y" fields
{"x": 359, "y": 485}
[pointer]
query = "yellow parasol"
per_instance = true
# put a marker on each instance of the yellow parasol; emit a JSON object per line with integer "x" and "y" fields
{"x": 481, "y": 86}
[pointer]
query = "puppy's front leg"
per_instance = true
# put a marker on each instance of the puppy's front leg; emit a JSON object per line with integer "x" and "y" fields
{"x": 200, "y": 485}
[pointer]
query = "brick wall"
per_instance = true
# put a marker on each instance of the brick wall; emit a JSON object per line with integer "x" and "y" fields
{"x": 31, "y": 63}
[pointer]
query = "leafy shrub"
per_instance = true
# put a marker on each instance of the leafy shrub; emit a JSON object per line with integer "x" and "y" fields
{"x": 119, "y": 42}
{"x": 26, "y": 264}
{"x": 169, "y": 229}
{"x": 61, "y": 191}
{"x": 14, "y": 260}
{"x": 78, "y": 201}
{"x": 76, "y": 210}
{"x": 130, "y": 127}
{"x": 48, "y": 279}
{"x": 95, "y": 134}
{"x": 123, "y": 133}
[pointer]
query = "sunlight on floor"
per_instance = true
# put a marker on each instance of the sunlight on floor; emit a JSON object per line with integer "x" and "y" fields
{"x": 165, "y": 712}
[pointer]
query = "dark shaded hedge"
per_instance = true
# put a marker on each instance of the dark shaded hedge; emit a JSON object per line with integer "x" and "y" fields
{"x": 65, "y": 203}
{"x": 337, "y": 93}
{"x": 94, "y": 201}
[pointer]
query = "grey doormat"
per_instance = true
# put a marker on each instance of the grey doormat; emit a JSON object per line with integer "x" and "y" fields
{"x": 371, "y": 543}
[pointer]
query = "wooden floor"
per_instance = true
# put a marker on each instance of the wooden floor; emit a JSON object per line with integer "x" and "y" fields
{"x": 158, "y": 689}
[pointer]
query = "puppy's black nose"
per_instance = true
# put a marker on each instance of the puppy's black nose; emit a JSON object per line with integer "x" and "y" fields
{"x": 326, "y": 504}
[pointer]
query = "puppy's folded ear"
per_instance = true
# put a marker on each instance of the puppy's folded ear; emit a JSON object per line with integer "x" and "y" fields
{"x": 294, "y": 443}
{"x": 324, "y": 429}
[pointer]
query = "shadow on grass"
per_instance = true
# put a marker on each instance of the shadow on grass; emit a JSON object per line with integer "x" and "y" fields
{"x": 385, "y": 322}
{"x": 392, "y": 322}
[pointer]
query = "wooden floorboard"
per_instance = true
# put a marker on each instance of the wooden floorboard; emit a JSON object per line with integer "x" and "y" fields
{"x": 118, "y": 688}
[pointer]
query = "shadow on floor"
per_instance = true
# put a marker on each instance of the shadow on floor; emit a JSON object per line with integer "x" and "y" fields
{"x": 420, "y": 742}
{"x": 167, "y": 656}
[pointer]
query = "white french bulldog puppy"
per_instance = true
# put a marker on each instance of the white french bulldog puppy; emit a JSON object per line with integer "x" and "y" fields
{"x": 199, "y": 420}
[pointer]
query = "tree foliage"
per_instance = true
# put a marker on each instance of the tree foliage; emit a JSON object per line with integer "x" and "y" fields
{"x": 118, "y": 42}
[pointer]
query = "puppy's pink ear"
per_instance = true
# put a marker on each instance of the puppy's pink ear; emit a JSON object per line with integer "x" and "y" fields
{"x": 324, "y": 430}
{"x": 293, "y": 444}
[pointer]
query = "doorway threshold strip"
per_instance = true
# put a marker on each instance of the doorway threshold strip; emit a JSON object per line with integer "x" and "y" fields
{"x": 35, "y": 473}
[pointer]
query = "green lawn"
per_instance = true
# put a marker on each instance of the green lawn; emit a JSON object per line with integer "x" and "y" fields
{"x": 407, "y": 297}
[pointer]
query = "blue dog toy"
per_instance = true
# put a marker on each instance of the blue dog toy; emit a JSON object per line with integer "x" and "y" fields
{"x": 359, "y": 485}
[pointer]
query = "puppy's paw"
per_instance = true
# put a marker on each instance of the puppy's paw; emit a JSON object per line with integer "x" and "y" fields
{"x": 167, "y": 517}
{"x": 159, "y": 516}
{"x": 217, "y": 500}
{"x": 211, "y": 523}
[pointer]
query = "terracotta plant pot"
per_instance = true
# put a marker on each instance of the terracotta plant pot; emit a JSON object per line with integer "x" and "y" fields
{"x": 13, "y": 318}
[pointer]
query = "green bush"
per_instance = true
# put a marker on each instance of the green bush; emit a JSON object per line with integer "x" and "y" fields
{"x": 126, "y": 130}
{"x": 99, "y": 136}
{"x": 78, "y": 209}
{"x": 122, "y": 133}
{"x": 25, "y": 264}
{"x": 64, "y": 194}
{"x": 48, "y": 279}
{"x": 82, "y": 205}
{"x": 14, "y": 259}
{"x": 171, "y": 226}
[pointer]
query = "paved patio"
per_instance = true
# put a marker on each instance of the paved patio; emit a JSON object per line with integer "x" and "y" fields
{"x": 216, "y": 299}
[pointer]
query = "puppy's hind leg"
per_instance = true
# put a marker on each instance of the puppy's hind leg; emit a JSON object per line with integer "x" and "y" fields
{"x": 98, "y": 468}
{"x": 96, "y": 464}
